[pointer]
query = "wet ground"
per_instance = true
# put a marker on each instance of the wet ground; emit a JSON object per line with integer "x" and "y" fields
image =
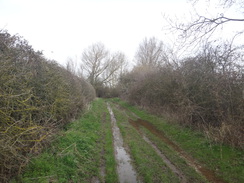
{"x": 208, "y": 174}
{"x": 167, "y": 161}
{"x": 125, "y": 169}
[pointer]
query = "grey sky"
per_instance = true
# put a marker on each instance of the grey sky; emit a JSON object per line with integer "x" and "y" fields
{"x": 63, "y": 28}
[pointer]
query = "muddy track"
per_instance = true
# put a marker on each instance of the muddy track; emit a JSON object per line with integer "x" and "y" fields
{"x": 138, "y": 123}
{"x": 125, "y": 170}
{"x": 167, "y": 161}
{"x": 208, "y": 174}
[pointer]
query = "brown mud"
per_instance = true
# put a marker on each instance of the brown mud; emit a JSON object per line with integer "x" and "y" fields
{"x": 167, "y": 161}
{"x": 207, "y": 173}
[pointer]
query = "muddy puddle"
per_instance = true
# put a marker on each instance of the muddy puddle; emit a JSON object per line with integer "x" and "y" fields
{"x": 208, "y": 174}
{"x": 125, "y": 170}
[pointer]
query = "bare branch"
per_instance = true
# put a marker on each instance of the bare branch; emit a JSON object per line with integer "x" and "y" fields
{"x": 202, "y": 27}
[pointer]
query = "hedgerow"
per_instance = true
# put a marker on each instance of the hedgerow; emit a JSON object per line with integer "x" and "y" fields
{"x": 37, "y": 96}
{"x": 204, "y": 92}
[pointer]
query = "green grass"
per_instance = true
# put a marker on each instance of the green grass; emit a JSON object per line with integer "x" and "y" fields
{"x": 147, "y": 163}
{"x": 75, "y": 155}
{"x": 190, "y": 174}
{"x": 226, "y": 161}
{"x": 111, "y": 173}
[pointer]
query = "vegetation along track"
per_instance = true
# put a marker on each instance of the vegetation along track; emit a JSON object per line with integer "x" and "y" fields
{"x": 209, "y": 175}
{"x": 201, "y": 161}
{"x": 116, "y": 142}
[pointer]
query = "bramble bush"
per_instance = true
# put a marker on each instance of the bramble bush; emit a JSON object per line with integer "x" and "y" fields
{"x": 37, "y": 96}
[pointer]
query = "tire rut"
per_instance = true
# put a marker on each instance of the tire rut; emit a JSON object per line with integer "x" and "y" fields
{"x": 125, "y": 170}
{"x": 205, "y": 172}
{"x": 173, "y": 168}
{"x": 208, "y": 174}
{"x": 167, "y": 161}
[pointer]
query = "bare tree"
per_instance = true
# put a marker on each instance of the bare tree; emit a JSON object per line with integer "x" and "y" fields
{"x": 95, "y": 60}
{"x": 101, "y": 67}
{"x": 151, "y": 53}
{"x": 115, "y": 69}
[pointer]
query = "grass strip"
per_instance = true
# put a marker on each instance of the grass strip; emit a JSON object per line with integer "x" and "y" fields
{"x": 191, "y": 175}
{"x": 149, "y": 166}
{"x": 227, "y": 162}
{"x": 110, "y": 167}
{"x": 75, "y": 154}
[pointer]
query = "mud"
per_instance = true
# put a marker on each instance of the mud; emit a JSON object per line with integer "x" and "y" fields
{"x": 125, "y": 170}
{"x": 167, "y": 161}
{"x": 208, "y": 174}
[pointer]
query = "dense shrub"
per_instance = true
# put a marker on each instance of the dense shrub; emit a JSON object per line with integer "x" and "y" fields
{"x": 205, "y": 91}
{"x": 36, "y": 97}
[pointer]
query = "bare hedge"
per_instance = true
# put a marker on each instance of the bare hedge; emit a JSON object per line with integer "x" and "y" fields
{"x": 205, "y": 92}
{"x": 37, "y": 97}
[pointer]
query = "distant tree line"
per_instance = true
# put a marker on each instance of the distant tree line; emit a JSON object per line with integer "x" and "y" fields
{"x": 37, "y": 96}
{"x": 204, "y": 91}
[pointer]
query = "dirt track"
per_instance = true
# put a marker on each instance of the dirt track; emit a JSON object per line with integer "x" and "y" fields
{"x": 138, "y": 124}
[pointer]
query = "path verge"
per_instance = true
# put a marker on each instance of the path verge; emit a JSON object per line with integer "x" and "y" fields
{"x": 226, "y": 162}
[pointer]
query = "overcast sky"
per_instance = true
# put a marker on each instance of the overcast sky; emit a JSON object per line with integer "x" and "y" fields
{"x": 63, "y": 28}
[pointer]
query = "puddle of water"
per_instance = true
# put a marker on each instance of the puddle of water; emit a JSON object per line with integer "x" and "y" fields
{"x": 124, "y": 168}
{"x": 208, "y": 174}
